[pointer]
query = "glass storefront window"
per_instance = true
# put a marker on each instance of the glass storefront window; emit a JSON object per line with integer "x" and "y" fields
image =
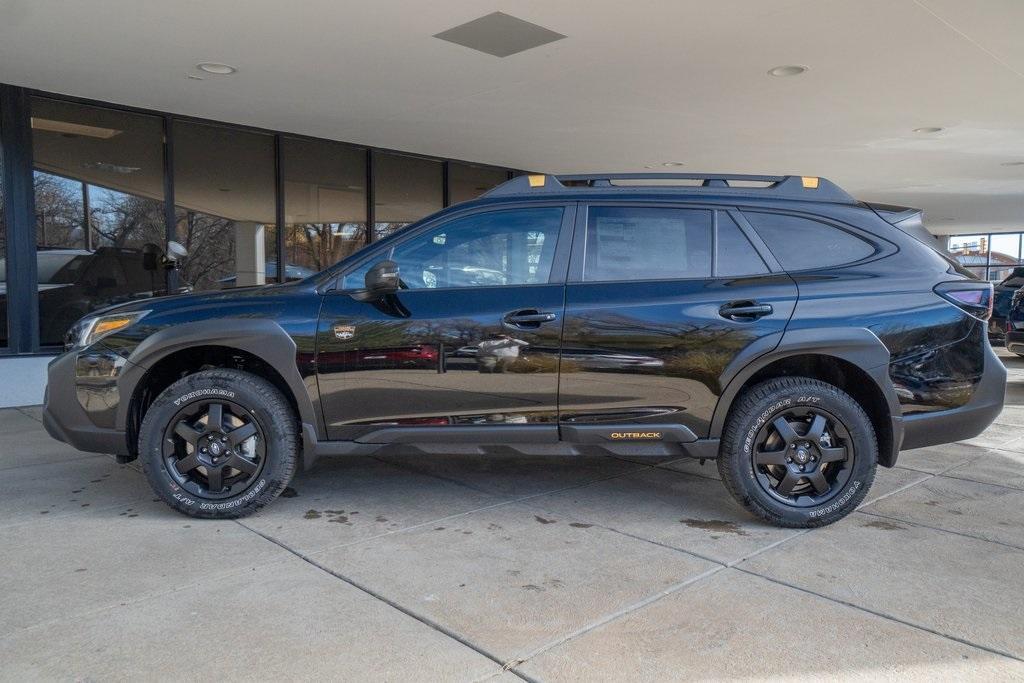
{"x": 324, "y": 203}
{"x": 98, "y": 177}
{"x": 405, "y": 190}
{"x": 1004, "y": 255}
{"x": 990, "y": 256}
{"x": 224, "y": 205}
{"x": 466, "y": 181}
{"x": 101, "y": 218}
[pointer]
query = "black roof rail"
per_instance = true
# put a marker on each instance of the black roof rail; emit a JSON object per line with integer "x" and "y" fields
{"x": 806, "y": 188}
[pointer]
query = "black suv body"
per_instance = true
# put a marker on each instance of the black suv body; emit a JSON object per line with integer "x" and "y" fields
{"x": 772, "y": 323}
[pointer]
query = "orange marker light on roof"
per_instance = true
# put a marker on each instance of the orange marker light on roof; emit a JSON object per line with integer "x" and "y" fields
{"x": 536, "y": 180}
{"x": 810, "y": 183}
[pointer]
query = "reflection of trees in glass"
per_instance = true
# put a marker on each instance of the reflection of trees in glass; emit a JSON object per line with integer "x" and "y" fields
{"x": 319, "y": 245}
{"x": 116, "y": 219}
{"x": 210, "y": 241}
{"x": 59, "y": 213}
{"x": 120, "y": 220}
{"x": 382, "y": 230}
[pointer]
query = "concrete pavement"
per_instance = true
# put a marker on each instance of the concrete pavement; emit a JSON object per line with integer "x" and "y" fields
{"x": 471, "y": 568}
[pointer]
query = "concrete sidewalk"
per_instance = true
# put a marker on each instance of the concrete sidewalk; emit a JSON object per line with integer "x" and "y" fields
{"x": 472, "y": 568}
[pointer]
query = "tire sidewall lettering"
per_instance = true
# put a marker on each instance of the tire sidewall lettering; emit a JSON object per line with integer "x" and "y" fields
{"x": 775, "y": 406}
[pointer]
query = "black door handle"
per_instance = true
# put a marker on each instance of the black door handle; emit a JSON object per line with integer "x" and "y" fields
{"x": 528, "y": 318}
{"x": 745, "y": 310}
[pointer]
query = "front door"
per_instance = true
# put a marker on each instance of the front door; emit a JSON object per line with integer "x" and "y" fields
{"x": 471, "y": 340}
{"x": 660, "y": 301}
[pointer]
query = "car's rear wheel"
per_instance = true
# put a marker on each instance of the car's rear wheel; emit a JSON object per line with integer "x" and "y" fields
{"x": 219, "y": 443}
{"x": 798, "y": 452}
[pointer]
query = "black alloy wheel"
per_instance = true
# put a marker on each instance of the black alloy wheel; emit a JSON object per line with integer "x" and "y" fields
{"x": 798, "y": 452}
{"x": 214, "y": 449}
{"x": 803, "y": 456}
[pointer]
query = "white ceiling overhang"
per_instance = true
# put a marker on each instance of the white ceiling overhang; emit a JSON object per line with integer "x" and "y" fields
{"x": 633, "y": 85}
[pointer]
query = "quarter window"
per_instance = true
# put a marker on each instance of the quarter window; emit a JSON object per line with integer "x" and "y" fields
{"x": 630, "y": 243}
{"x": 736, "y": 255}
{"x": 498, "y": 248}
{"x": 801, "y": 243}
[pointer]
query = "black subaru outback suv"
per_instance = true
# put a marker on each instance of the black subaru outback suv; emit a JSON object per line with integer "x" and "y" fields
{"x": 773, "y": 323}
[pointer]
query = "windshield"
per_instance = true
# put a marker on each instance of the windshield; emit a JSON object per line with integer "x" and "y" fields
{"x": 332, "y": 270}
{"x": 60, "y": 267}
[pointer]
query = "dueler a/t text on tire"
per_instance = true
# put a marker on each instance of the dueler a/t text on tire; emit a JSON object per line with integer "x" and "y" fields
{"x": 798, "y": 452}
{"x": 219, "y": 443}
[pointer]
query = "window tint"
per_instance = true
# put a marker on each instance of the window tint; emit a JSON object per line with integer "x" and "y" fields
{"x": 736, "y": 255}
{"x": 513, "y": 247}
{"x": 801, "y": 243}
{"x": 629, "y": 243}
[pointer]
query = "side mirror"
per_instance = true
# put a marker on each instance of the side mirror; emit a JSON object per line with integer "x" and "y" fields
{"x": 175, "y": 251}
{"x": 381, "y": 279}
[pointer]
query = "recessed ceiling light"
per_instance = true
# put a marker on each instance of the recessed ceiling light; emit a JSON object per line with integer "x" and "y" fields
{"x": 1012, "y": 163}
{"x": 216, "y": 68}
{"x": 69, "y": 128}
{"x": 928, "y": 129}
{"x": 788, "y": 70}
{"x": 111, "y": 168}
{"x": 673, "y": 163}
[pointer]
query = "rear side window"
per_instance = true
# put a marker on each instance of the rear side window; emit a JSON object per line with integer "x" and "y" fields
{"x": 736, "y": 255}
{"x": 634, "y": 243}
{"x": 801, "y": 243}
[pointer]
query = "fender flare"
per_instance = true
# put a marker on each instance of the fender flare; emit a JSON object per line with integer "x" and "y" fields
{"x": 856, "y": 345}
{"x": 260, "y": 337}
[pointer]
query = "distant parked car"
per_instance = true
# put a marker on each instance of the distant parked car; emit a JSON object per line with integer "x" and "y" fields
{"x": 75, "y": 282}
{"x": 1015, "y": 324}
{"x": 1003, "y": 293}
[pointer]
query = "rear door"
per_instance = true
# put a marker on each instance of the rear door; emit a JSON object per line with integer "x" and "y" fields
{"x": 472, "y": 340}
{"x": 660, "y": 300}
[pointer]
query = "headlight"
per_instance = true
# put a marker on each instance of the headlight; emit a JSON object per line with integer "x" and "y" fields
{"x": 90, "y": 330}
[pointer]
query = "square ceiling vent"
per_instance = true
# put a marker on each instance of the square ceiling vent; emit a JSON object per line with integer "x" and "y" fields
{"x": 499, "y": 34}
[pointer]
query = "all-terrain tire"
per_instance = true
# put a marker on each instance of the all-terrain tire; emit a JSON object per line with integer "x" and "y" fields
{"x": 238, "y": 393}
{"x": 796, "y": 401}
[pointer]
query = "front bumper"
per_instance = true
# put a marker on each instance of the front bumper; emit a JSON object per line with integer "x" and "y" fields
{"x": 76, "y": 400}
{"x": 966, "y": 421}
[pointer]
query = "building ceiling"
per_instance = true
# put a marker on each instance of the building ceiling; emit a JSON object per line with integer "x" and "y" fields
{"x": 633, "y": 85}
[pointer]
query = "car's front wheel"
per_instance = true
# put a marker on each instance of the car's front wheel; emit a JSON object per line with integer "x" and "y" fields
{"x": 219, "y": 443}
{"x": 798, "y": 452}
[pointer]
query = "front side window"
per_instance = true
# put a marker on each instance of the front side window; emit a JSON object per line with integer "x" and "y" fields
{"x": 801, "y": 243}
{"x": 634, "y": 243}
{"x": 499, "y": 248}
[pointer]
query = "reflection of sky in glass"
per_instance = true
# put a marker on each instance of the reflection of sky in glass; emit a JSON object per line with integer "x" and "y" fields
{"x": 990, "y": 256}
{"x": 965, "y": 242}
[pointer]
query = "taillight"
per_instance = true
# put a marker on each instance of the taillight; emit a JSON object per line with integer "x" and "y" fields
{"x": 975, "y": 298}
